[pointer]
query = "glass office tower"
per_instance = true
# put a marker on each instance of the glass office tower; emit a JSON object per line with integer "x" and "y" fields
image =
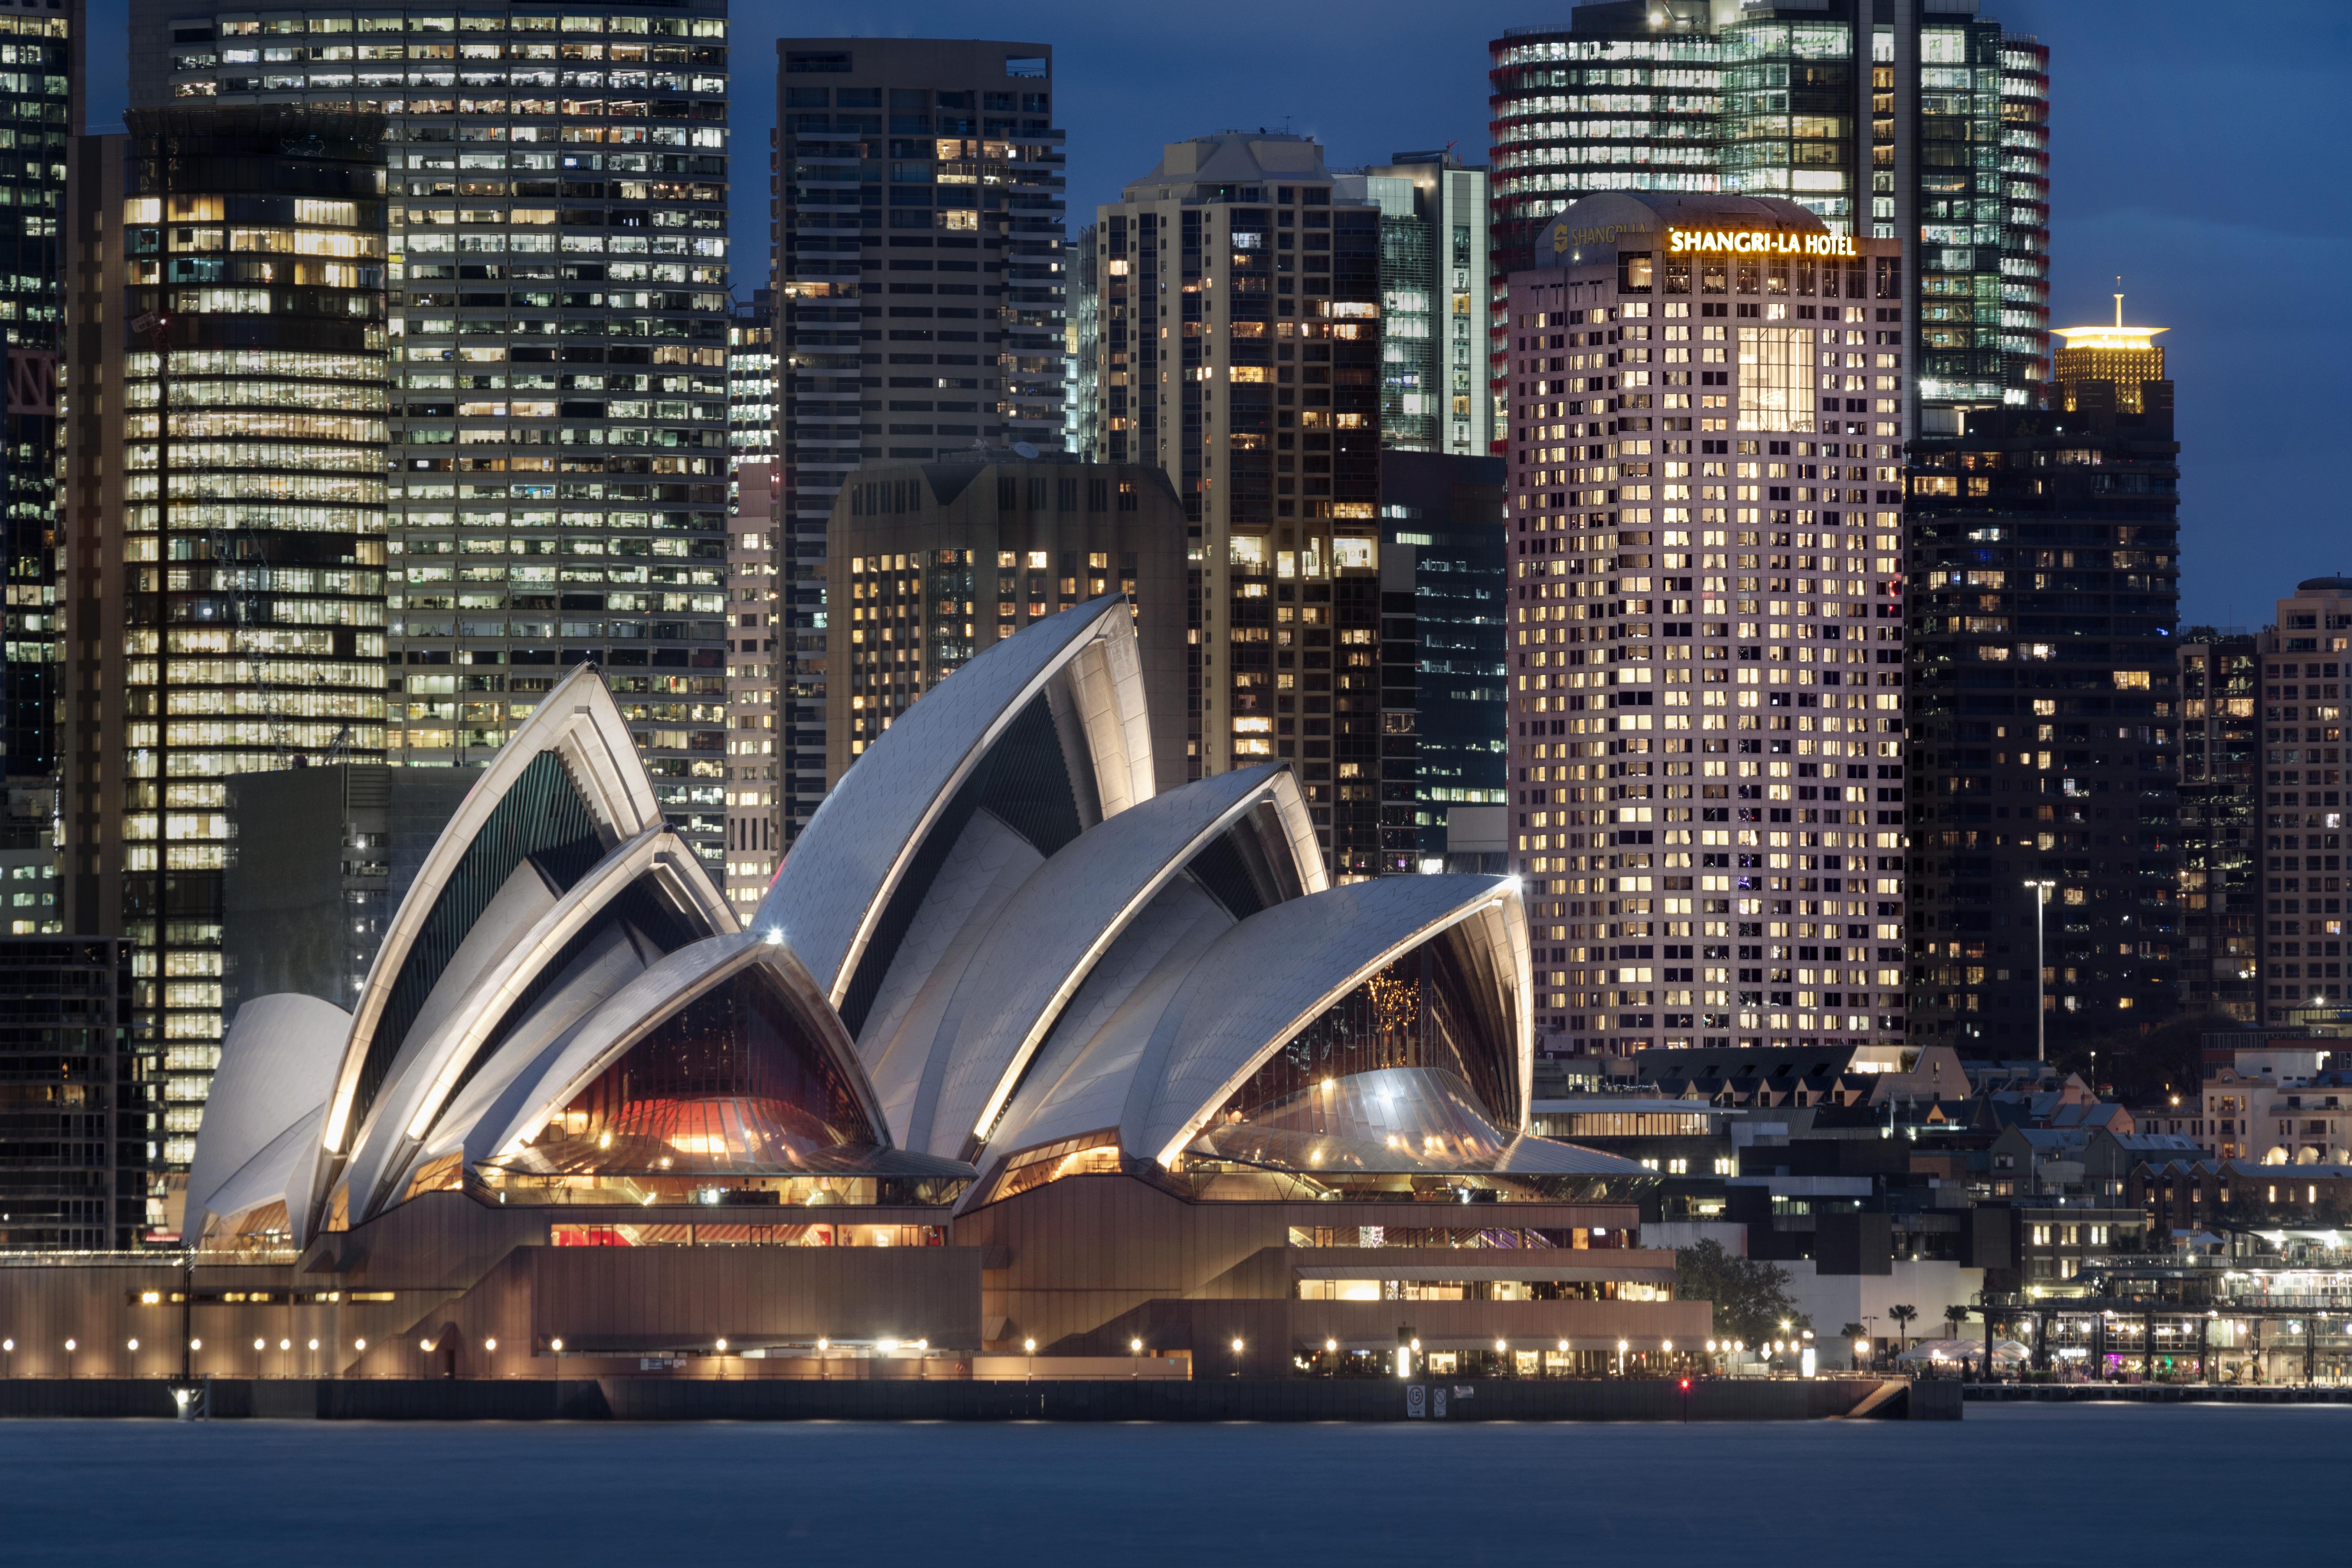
{"x": 42, "y": 54}
{"x": 1924, "y": 123}
{"x": 559, "y": 301}
{"x": 227, "y": 386}
{"x": 1433, "y": 301}
{"x": 918, "y": 250}
{"x": 1444, "y": 685}
{"x": 751, "y": 384}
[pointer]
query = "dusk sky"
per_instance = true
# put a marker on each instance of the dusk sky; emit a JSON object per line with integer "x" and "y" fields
{"x": 2196, "y": 150}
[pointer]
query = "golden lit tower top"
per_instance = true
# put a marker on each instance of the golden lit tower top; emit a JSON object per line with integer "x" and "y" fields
{"x": 2124, "y": 356}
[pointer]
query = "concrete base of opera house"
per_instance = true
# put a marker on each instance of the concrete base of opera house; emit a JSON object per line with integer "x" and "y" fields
{"x": 449, "y": 1285}
{"x": 712, "y": 1398}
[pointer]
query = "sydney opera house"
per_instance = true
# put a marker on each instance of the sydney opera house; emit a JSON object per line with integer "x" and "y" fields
{"x": 1017, "y": 1051}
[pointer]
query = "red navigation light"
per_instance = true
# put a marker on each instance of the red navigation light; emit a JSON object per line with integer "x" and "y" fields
{"x": 1686, "y": 1385}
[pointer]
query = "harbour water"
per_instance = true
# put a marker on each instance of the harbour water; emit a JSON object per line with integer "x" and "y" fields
{"x": 2008, "y": 1486}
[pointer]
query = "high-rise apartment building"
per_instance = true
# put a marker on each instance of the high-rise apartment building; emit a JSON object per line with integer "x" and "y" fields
{"x": 557, "y": 287}
{"x": 2306, "y": 658}
{"x": 1434, "y": 303}
{"x": 2219, "y": 945}
{"x": 1241, "y": 354}
{"x": 918, "y": 249}
{"x": 42, "y": 49}
{"x": 755, "y": 792}
{"x": 1707, "y": 743}
{"x": 1445, "y": 690}
{"x": 223, "y": 519}
{"x": 2045, "y": 716}
{"x": 933, "y": 563}
{"x": 1911, "y": 119}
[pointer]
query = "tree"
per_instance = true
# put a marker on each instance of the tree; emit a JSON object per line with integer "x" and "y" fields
{"x": 1901, "y": 1316}
{"x": 1749, "y": 1295}
{"x": 1956, "y": 1314}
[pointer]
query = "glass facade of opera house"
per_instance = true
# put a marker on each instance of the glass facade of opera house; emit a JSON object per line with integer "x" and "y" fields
{"x": 1018, "y": 1049}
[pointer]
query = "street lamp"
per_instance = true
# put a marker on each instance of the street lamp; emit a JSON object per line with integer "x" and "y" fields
{"x": 1621, "y": 1358}
{"x": 1237, "y": 1357}
{"x": 2040, "y": 902}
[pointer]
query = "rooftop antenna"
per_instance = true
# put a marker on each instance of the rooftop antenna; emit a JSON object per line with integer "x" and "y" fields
{"x": 2119, "y": 299}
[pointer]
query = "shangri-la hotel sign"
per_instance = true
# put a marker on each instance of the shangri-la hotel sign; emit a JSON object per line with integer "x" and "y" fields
{"x": 1757, "y": 242}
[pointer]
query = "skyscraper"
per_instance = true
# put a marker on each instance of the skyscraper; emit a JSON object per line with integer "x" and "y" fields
{"x": 754, "y": 488}
{"x": 43, "y": 51}
{"x": 1241, "y": 354}
{"x": 1921, "y": 122}
{"x": 2304, "y": 665}
{"x": 1628, "y": 97}
{"x": 917, "y": 251}
{"x": 1433, "y": 301}
{"x": 2045, "y": 716}
{"x": 558, "y": 295}
{"x": 1707, "y": 742}
{"x": 226, "y": 385}
{"x": 1444, "y": 691}
{"x": 2220, "y": 794}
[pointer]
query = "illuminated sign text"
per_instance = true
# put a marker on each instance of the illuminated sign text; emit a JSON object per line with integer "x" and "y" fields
{"x": 1758, "y": 242}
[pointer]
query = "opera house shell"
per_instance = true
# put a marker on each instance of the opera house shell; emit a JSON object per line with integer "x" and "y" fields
{"x": 1085, "y": 1054}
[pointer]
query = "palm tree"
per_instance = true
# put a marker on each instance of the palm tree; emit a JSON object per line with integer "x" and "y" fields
{"x": 1955, "y": 1315}
{"x": 1902, "y": 1316}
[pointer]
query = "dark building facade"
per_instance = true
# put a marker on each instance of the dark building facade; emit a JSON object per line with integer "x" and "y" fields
{"x": 930, "y": 564}
{"x": 74, "y": 1105}
{"x": 1444, "y": 696}
{"x": 322, "y": 856}
{"x": 2220, "y": 773}
{"x": 42, "y": 52}
{"x": 2044, "y": 719}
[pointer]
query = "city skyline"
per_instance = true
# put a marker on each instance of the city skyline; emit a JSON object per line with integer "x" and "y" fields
{"x": 2143, "y": 194}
